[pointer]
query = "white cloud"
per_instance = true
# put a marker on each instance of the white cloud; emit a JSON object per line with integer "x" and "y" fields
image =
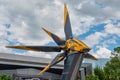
{"x": 2, "y": 38}
{"x": 101, "y": 10}
{"x": 84, "y": 26}
{"x": 27, "y": 18}
{"x": 103, "y": 53}
{"x": 112, "y": 29}
{"x": 95, "y": 38}
{"x": 99, "y": 39}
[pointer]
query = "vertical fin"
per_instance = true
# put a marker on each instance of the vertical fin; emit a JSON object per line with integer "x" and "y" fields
{"x": 67, "y": 24}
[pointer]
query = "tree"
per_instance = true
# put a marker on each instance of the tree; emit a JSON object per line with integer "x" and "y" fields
{"x": 112, "y": 69}
{"x": 100, "y": 73}
{"x": 91, "y": 77}
{"x": 5, "y": 77}
{"x": 117, "y": 49}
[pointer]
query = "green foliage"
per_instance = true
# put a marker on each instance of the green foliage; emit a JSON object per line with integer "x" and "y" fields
{"x": 111, "y": 70}
{"x": 117, "y": 49}
{"x": 91, "y": 77}
{"x": 100, "y": 73}
{"x": 5, "y": 77}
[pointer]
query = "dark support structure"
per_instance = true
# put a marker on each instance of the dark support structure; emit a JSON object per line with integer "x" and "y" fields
{"x": 72, "y": 65}
{"x": 74, "y": 69}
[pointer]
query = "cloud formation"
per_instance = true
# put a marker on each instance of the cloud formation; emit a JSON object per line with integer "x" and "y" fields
{"x": 27, "y": 17}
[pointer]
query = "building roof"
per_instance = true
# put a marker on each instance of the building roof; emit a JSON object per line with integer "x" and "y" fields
{"x": 14, "y": 61}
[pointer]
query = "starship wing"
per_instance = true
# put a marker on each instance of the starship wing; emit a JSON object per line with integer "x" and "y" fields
{"x": 38, "y": 48}
{"x": 56, "y": 60}
{"x": 89, "y": 56}
{"x": 67, "y": 24}
{"x": 56, "y": 38}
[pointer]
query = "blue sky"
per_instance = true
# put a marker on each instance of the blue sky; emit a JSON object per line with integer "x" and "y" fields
{"x": 97, "y": 23}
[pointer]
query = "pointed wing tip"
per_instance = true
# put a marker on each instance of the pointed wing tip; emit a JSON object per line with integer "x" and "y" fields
{"x": 64, "y": 4}
{"x": 94, "y": 58}
{"x": 89, "y": 56}
{"x": 65, "y": 7}
{"x": 48, "y": 32}
{"x": 16, "y": 47}
{"x": 45, "y": 30}
{"x": 42, "y": 28}
{"x": 9, "y": 46}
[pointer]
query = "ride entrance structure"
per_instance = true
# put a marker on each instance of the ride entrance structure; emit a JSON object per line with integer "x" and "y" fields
{"x": 73, "y": 51}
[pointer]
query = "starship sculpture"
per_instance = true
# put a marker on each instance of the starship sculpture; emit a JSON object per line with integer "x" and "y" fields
{"x": 73, "y": 51}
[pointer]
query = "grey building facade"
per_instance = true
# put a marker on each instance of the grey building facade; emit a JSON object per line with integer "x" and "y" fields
{"x": 23, "y": 66}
